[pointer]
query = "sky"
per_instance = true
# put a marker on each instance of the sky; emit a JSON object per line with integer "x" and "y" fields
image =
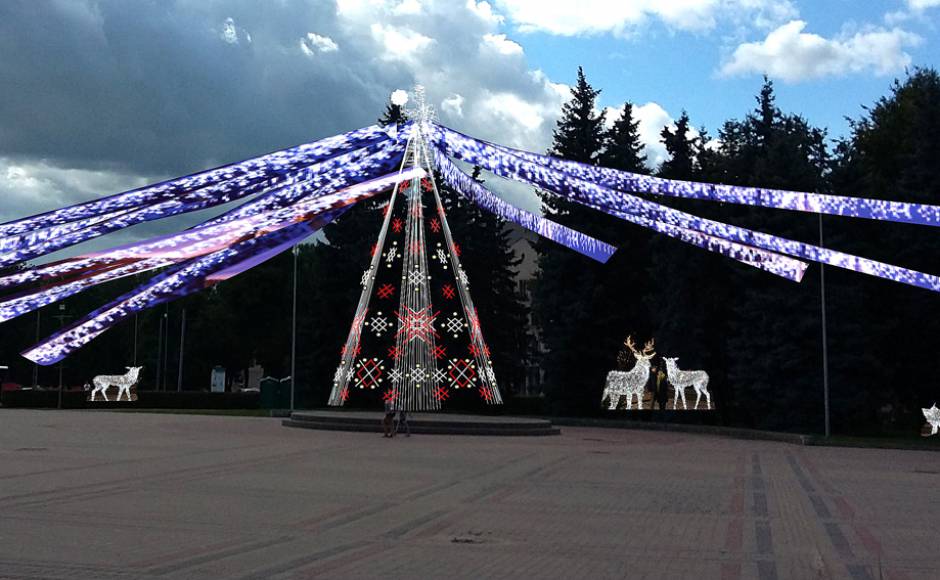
{"x": 101, "y": 96}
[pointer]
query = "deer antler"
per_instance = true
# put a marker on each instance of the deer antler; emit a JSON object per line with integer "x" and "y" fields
{"x": 629, "y": 344}
{"x": 648, "y": 348}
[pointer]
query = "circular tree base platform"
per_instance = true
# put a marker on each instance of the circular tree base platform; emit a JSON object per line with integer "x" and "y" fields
{"x": 423, "y": 423}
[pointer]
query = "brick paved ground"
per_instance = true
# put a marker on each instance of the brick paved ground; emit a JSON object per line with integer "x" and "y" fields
{"x": 114, "y": 495}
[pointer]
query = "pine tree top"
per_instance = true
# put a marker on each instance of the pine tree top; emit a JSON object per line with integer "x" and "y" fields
{"x": 393, "y": 115}
{"x": 623, "y": 148}
{"x": 682, "y": 149}
{"x": 580, "y": 130}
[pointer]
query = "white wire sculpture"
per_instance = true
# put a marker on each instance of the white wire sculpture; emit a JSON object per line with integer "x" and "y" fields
{"x": 932, "y": 415}
{"x": 122, "y": 382}
{"x": 681, "y": 380}
{"x": 632, "y": 382}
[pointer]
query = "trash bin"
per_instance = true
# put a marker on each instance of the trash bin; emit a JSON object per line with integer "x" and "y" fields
{"x": 275, "y": 393}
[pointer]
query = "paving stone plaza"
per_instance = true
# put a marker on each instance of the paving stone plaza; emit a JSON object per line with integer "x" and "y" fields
{"x": 123, "y": 495}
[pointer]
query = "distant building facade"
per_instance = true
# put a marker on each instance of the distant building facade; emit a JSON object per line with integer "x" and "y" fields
{"x": 522, "y": 243}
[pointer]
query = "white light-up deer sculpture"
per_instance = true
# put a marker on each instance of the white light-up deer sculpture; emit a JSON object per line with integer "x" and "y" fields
{"x": 122, "y": 382}
{"x": 932, "y": 415}
{"x": 682, "y": 380}
{"x": 632, "y": 382}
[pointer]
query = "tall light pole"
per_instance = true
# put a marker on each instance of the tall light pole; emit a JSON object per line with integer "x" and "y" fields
{"x": 179, "y": 377}
{"x": 61, "y": 316}
{"x": 293, "y": 338}
{"x": 36, "y": 365}
{"x": 159, "y": 365}
{"x": 825, "y": 345}
{"x": 166, "y": 350}
{"x": 136, "y": 324}
{"x": 135, "y": 339}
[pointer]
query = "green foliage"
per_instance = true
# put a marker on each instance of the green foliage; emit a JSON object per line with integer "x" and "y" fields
{"x": 580, "y": 131}
{"x": 885, "y": 339}
{"x": 623, "y": 149}
{"x": 488, "y": 259}
{"x": 759, "y": 336}
{"x": 393, "y": 114}
{"x": 683, "y": 150}
{"x": 773, "y": 331}
{"x": 581, "y": 306}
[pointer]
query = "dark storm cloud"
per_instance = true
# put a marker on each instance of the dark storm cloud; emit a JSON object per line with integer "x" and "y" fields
{"x": 154, "y": 87}
{"x": 103, "y": 95}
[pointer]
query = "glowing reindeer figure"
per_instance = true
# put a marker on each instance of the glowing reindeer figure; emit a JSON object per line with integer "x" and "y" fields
{"x": 122, "y": 382}
{"x": 933, "y": 418}
{"x": 632, "y": 382}
{"x": 682, "y": 380}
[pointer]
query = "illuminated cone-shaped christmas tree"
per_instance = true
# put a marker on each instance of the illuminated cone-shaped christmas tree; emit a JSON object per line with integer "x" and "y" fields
{"x": 415, "y": 338}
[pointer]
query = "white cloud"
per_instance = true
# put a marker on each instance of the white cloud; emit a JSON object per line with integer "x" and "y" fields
{"x": 510, "y": 108}
{"x": 653, "y": 119}
{"x": 559, "y": 92}
{"x": 897, "y": 17}
{"x": 484, "y": 11}
{"x": 914, "y": 9}
{"x": 231, "y": 34}
{"x": 399, "y": 43}
{"x": 525, "y": 122}
{"x": 791, "y": 55}
{"x": 492, "y": 93}
{"x": 622, "y": 16}
{"x": 501, "y": 45}
{"x": 30, "y": 186}
{"x": 313, "y": 43}
{"x": 453, "y": 105}
{"x": 407, "y": 8}
{"x": 922, "y": 4}
{"x": 472, "y": 70}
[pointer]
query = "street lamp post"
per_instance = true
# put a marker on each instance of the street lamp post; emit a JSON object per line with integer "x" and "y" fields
{"x": 62, "y": 316}
{"x": 293, "y": 340}
{"x": 166, "y": 349}
{"x": 179, "y": 378}
{"x": 135, "y": 339}
{"x": 825, "y": 345}
{"x": 36, "y": 365}
{"x": 159, "y": 365}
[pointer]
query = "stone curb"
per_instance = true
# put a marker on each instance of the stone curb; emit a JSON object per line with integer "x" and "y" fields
{"x": 733, "y": 432}
{"x": 747, "y": 434}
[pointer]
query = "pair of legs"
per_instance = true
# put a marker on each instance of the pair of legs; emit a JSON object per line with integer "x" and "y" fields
{"x": 403, "y": 421}
{"x": 388, "y": 425}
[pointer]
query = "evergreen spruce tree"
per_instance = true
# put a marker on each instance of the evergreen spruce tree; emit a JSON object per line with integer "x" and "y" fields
{"x": 686, "y": 292}
{"x": 682, "y": 148}
{"x": 393, "y": 114}
{"x": 882, "y": 334}
{"x": 773, "y": 325}
{"x": 488, "y": 259}
{"x": 582, "y": 308}
{"x": 330, "y": 273}
{"x": 580, "y": 131}
{"x": 623, "y": 148}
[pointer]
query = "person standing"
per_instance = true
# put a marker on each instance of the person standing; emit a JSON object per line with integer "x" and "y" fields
{"x": 662, "y": 388}
{"x": 388, "y": 421}
{"x": 403, "y": 420}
